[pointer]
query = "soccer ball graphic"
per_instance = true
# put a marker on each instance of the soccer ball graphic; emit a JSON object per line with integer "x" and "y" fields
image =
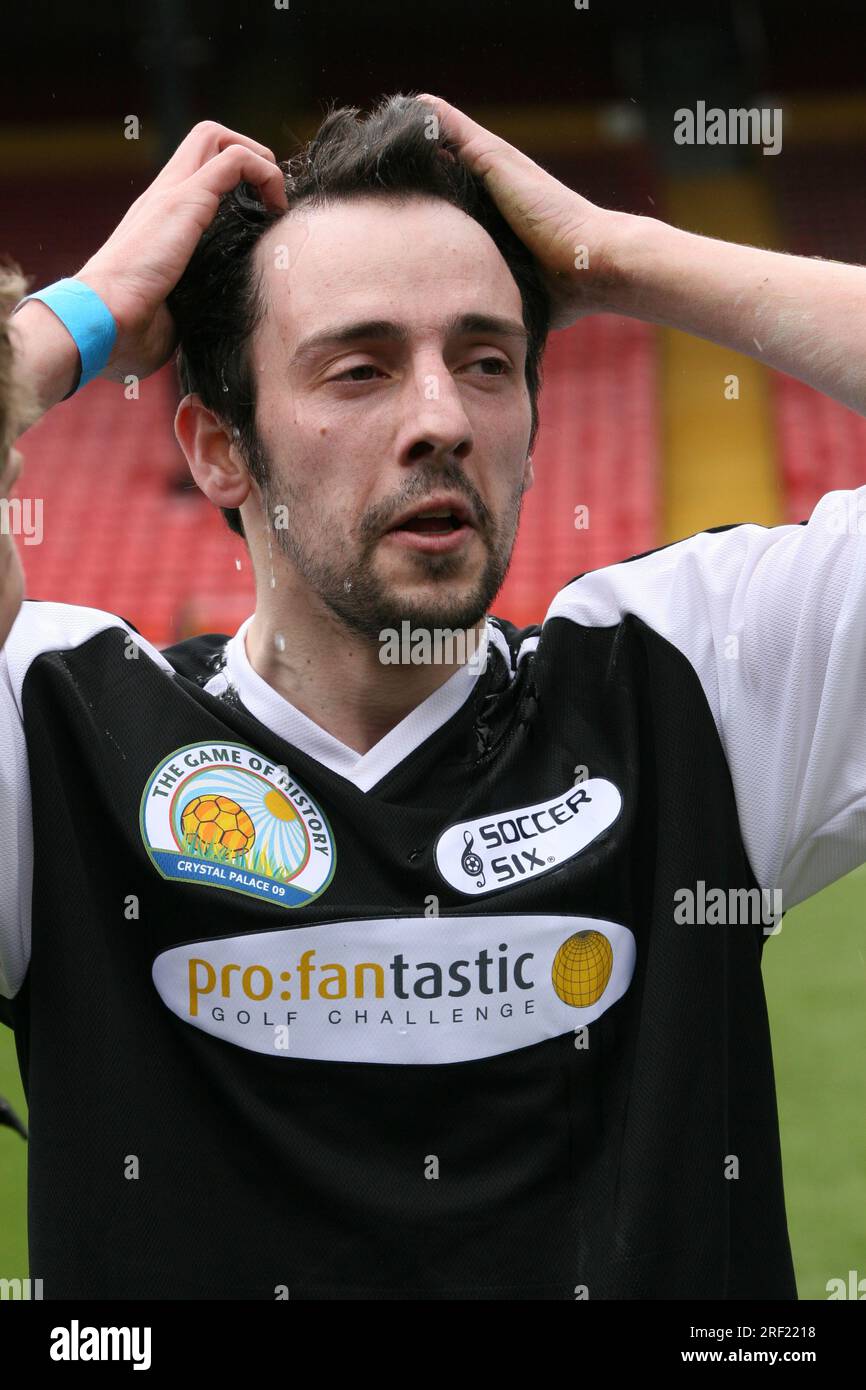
{"x": 217, "y": 820}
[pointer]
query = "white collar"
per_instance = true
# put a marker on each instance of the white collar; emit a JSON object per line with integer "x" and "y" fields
{"x": 363, "y": 769}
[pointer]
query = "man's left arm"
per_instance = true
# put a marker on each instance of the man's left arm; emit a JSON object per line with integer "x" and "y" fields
{"x": 802, "y": 315}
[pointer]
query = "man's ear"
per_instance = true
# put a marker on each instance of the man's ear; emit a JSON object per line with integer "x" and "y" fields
{"x": 528, "y": 474}
{"x": 214, "y": 458}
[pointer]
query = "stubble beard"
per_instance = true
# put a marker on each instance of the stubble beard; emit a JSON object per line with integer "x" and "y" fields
{"x": 359, "y": 597}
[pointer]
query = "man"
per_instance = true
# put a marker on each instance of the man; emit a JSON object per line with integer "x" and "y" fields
{"x": 346, "y": 977}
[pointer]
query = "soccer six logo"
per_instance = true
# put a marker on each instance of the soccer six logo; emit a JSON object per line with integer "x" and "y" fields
{"x": 504, "y": 848}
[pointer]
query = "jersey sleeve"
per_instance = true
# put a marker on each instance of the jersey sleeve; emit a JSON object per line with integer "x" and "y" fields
{"x": 40, "y": 627}
{"x": 773, "y": 621}
{"x": 15, "y": 816}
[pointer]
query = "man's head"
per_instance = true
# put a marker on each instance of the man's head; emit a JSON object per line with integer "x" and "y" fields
{"x": 343, "y": 429}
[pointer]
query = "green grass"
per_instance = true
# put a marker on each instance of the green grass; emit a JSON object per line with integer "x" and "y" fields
{"x": 254, "y": 861}
{"x": 815, "y": 977}
{"x": 13, "y": 1168}
{"x": 815, "y": 974}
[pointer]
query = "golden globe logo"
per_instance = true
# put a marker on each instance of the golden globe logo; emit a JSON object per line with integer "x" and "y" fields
{"x": 582, "y": 968}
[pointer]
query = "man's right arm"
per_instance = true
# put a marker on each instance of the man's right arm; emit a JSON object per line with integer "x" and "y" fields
{"x": 143, "y": 260}
{"x": 133, "y": 274}
{"x": 45, "y": 355}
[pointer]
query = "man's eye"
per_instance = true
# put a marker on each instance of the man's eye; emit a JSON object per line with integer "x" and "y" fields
{"x": 361, "y": 367}
{"x": 498, "y": 362}
{"x": 492, "y": 366}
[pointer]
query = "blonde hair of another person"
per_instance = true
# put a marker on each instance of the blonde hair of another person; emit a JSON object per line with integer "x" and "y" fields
{"x": 18, "y": 409}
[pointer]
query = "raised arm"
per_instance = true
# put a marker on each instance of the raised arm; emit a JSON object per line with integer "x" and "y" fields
{"x": 802, "y": 315}
{"x": 132, "y": 274}
{"x": 143, "y": 260}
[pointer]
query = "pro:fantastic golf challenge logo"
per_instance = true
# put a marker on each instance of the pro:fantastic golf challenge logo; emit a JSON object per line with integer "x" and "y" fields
{"x": 406, "y": 990}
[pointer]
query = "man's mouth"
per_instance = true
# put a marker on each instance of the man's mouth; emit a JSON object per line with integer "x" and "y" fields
{"x": 437, "y": 516}
{"x": 440, "y": 524}
{"x": 433, "y": 523}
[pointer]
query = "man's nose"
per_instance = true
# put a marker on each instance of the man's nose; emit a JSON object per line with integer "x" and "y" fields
{"x": 436, "y": 416}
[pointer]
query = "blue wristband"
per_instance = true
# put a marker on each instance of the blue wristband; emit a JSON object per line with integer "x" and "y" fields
{"x": 87, "y": 318}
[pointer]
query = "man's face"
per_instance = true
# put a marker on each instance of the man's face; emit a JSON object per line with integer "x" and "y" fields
{"x": 379, "y": 388}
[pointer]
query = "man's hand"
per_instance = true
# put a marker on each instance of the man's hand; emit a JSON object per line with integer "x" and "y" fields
{"x": 147, "y": 254}
{"x": 571, "y": 238}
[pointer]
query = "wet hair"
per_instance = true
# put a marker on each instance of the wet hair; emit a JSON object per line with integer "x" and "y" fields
{"x": 395, "y": 151}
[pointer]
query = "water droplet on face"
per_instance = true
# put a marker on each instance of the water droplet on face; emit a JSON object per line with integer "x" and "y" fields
{"x": 347, "y": 584}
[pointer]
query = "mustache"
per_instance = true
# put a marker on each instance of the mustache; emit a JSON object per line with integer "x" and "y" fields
{"x": 380, "y": 517}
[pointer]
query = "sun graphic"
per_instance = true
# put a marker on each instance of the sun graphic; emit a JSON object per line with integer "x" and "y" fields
{"x": 581, "y": 968}
{"x": 242, "y": 814}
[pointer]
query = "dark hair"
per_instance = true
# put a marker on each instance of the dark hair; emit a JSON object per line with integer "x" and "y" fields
{"x": 218, "y": 302}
